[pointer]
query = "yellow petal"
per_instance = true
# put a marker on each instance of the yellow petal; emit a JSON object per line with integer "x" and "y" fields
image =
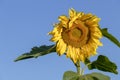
{"x": 61, "y": 47}
{"x": 55, "y": 39}
{"x": 53, "y": 31}
{"x": 64, "y": 20}
{"x": 93, "y": 20}
{"x": 73, "y": 56}
{"x": 72, "y": 13}
{"x": 86, "y": 16}
{"x": 80, "y": 14}
{"x": 69, "y": 51}
{"x": 82, "y": 58}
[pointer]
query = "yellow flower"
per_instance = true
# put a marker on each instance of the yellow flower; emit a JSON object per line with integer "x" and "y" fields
{"x": 77, "y": 35}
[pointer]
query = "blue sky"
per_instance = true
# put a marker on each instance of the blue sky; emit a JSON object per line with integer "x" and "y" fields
{"x": 25, "y": 24}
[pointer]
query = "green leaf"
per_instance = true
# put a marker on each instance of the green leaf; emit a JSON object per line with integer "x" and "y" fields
{"x": 37, "y": 51}
{"x": 96, "y": 76}
{"x": 110, "y": 36}
{"x": 89, "y": 64}
{"x": 103, "y": 64}
{"x": 86, "y": 77}
{"x": 70, "y": 75}
{"x": 87, "y": 61}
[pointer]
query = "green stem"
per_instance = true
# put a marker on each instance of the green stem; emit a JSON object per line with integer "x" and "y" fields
{"x": 78, "y": 67}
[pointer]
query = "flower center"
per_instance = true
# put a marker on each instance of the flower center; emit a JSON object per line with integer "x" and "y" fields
{"x": 77, "y": 35}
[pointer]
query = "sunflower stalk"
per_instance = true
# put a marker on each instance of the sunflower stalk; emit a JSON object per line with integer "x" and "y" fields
{"x": 78, "y": 67}
{"x": 79, "y": 70}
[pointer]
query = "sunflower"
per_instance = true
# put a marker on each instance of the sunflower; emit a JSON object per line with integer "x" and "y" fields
{"x": 77, "y": 35}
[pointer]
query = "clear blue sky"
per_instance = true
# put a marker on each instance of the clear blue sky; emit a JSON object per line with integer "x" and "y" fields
{"x": 25, "y": 24}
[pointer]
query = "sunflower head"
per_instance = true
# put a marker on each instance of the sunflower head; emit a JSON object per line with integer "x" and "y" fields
{"x": 77, "y": 35}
